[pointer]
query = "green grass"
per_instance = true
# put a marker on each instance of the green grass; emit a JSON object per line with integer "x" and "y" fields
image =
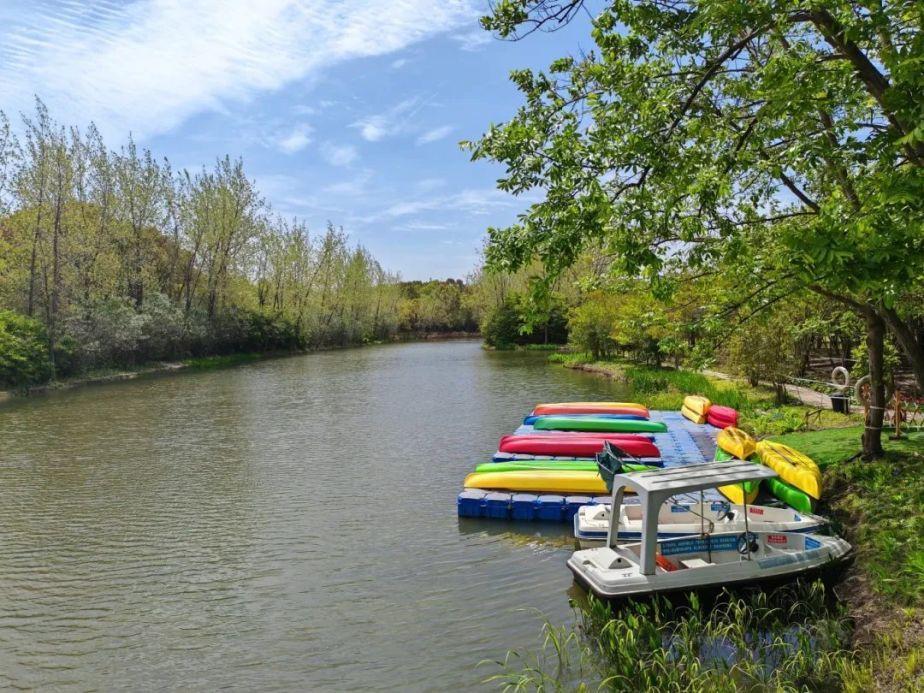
{"x": 878, "y": 506}
{"x": 665, "y": 388}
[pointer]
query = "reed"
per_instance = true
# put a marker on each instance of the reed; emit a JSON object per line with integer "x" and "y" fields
{"x": 794, "y": 638}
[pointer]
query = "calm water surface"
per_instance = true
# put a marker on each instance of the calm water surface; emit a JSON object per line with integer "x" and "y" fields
{"x": 287, "y": 524}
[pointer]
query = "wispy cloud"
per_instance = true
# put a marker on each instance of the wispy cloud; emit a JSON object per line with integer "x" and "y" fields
{"x": 427, "y": 184}
{"x": 390, "y": 122}
{"x": 148, "y": 65}
{"x": 434, "y": 134}
{"x": 295, "y": 140}
{"x": 476, "y": 202}
{"x": 356, "y": 185}
{"x": 339, "y": 154}
{"x": 473, "y": 40}
{"x": 399, "y": 63}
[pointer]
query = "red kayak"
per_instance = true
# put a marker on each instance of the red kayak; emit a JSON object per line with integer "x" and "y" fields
{"x": 722, "y": 417}
{"x": 576, "y": 446}
{"x": 565, "y": 409}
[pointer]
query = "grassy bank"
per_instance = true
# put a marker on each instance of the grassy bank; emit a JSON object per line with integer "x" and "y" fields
{"x": 869, "y": 636}
{"x": 665, "y": 388}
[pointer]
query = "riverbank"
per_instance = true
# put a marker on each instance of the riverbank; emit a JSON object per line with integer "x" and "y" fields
{"x": 877, "y": 506}
{"x": 214, "y": 362}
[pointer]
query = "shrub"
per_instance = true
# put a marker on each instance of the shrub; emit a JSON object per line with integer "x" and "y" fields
{"x": 24, "y": 355}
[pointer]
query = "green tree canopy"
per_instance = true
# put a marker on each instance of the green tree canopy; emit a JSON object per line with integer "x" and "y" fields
{"x": 779, "y": 142}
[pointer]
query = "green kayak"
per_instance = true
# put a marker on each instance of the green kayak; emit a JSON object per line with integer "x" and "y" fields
{"x": 554, "y": 465}
{"x": 593, "y": 423}
{"x": 789, "y": 494}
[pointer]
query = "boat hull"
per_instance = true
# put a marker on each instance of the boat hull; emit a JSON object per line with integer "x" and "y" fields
{"x": 591, "y": 523}
{"x": 614, "y": 575}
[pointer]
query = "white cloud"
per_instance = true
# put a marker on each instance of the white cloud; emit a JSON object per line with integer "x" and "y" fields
{"x": 147, "y": 65}
{"x": 434, "y": 134}
{"x": 473, "y": 40}
{"x": 339, "y": 155}
{"x": 399, "y": 63}
{"x": 471, "y": 201}
{"x": 296, "y": 140}
{"x": 427, "y": 184}
{"x": 388, "y": 123}
{"x": 356, "y": 185}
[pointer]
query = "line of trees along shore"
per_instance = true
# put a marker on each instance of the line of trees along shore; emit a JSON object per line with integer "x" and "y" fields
{"x": 112, "y": 258}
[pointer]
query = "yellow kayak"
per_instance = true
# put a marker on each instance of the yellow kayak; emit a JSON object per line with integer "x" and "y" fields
{"x": 739, "y": 494}
{"x": 697, "y": 404}
{"x": 552, "y": 408}
{"x": 736, "y": 442}
{"x": 692, "y": 415}
{"x": 792, "y": 466}
{"x": 539, "y": 481}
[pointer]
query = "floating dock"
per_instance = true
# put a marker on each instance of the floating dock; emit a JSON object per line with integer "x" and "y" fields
{"x": 684, "y": 443}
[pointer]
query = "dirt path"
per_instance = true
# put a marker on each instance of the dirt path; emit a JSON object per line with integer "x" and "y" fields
{"x": 805, "y": 395}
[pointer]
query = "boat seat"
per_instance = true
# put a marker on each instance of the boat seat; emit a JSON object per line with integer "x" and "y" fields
{"x": 694, "y": 563}
{"x": 665, "y": 564}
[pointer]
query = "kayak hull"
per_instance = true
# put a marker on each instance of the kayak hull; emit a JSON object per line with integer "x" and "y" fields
{"x": 539, "y": 481}
{"x": 590, "y": 408}
{"x": 793, "y": 467}
{"x": 575, "y": 447}
{"x": 559, "y": 423}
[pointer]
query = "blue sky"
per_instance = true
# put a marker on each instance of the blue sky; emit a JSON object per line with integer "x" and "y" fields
{"x": 346, "y": 111}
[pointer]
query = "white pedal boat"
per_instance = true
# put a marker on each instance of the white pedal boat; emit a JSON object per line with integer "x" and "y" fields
{"x": 701, "y": 561}
{"x": 592, "y": 522}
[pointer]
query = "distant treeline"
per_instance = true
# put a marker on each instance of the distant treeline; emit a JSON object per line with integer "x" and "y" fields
{"x": 112, "y": 258}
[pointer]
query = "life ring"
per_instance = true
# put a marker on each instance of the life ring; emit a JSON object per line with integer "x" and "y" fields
{"x": 862, "y": 390}
{"x": 845, "y": 374}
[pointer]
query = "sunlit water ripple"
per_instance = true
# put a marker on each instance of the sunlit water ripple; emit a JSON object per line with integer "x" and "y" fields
{"x": 283, "y": 525}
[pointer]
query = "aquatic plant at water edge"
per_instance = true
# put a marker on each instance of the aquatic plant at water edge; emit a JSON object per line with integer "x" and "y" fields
{"x": 789, "y": 639}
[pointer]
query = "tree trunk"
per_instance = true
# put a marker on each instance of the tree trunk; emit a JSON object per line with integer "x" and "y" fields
{"x": 872, "y": 435}
{"x": 913, "y": 349}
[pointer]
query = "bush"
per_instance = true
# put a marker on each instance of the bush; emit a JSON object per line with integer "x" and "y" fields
{"x": 24, "y": 354}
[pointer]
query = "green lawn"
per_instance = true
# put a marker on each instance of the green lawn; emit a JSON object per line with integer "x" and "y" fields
{"x": 878, "y": 505}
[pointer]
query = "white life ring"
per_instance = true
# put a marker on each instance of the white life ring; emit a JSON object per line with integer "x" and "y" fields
{"x": 845, "y": 374}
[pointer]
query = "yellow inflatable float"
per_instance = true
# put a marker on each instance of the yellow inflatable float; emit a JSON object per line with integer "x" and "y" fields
{"x": 736, "y": 442}
{"x": 539, "y": 481}
{"x": 792, "y": 466}
{"x": 695, "y": 408}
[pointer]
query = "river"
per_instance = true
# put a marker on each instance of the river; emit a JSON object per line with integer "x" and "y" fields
{"x": 288, "y": 524}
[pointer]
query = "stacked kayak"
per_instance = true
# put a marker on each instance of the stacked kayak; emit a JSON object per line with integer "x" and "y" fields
{"x": 549, "y": 470}
{"x": 799, "y": 480}
{"x": 721, "y": 417}
{"x": 695, "y": 408}
{"x": 700, "y": 410}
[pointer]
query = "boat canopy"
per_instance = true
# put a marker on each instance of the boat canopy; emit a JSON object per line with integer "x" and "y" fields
{"x": 656, "y": 486}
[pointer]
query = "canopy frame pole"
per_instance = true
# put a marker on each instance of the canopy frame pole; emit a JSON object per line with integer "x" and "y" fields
{"x": 612, "y": 535}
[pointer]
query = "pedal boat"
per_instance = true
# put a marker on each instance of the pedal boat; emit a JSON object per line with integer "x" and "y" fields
{"x": 701, "y": 562}
{"x": 592, "y": 522}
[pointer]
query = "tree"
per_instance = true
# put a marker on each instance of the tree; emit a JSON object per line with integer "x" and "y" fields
{"x": 777, "y": 141}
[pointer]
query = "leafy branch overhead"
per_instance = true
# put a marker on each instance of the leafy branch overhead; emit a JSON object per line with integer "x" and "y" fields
{"x": 777, "y": 143}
